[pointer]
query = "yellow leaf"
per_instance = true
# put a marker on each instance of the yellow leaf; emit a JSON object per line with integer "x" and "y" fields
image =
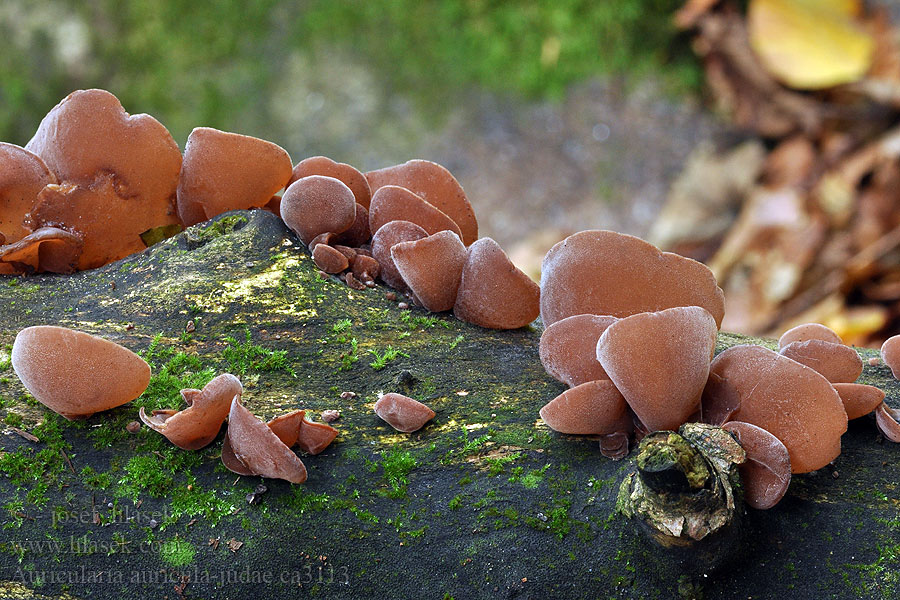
{"x": 810, "y": 44}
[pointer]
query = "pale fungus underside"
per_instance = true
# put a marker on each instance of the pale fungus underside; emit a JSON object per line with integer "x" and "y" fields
{"x": 485, "y": 480}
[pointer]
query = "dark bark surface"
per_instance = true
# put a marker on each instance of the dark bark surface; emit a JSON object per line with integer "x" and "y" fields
{"x": 484, "y": 502}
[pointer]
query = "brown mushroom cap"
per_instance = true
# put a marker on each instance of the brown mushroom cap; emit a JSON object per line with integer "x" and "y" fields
{"x": 315, "y": 437}
{"x": 432, "y": 268}
{"x": 259, "y": 449}
{"x": 592, "y": 408}
{"x": 766, "y": 474}
{"x": 365, "y": 267}
{"x": 493, "y": 293}
{"x": 359, "y": 233}
{"x": 836, "y": 362}
{"x": 22, "y": 176}
{"x": 568, "y": 349}
{"x": 317, "y": 204}
{"x": 890, "y": 354}
{"x": 888, "y": 420}
{"x": 198, "y": 424}
{"x": 719, "y": 401}
{"x": 225, "y": 171}
{"x": 386, "y": 238}
{"x": 436, "y": 185}
{"x": 322, "y": 165}
{"x": 395, "y": 203}
{"x": 77, "y": 374}
{"x": 609, "y": 273}
{"x": 808, "y": 331}
{"x": 789, "y": 400}
{"x": 118, "y": 174}
{"x": 403, "y": 413}
{"x": 47, "y": 249}
{"x": 329, "y": 259}
{"x": 286, "y": 427}
{"x": 859, "y": 399}
{"x": 660, "y": 362}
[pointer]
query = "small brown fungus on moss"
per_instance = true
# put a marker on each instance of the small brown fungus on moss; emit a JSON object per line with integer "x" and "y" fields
{"x": 225, "y": 171}
{"x": 317, "y": 204}
{"x": 888, "y": 421}
{"x": 402, "y": 412}
{"x": 808, "y": 331}
{"x": 859, "y": 399}
{"x": 197, "y": 425}
{"x": 47, "y": 249}
{"x": 568, "y": 348}
{"x": 836, "y": 362}
{"x": 77, "y": 374}
{"x": 314, "y": 437}
{"x": 609, "y": 273}
{"x": 890, "y": 354}
{"x": 329, "y": 259}
{"x": 365, "y": 267}
{"x": 259, "y": 449}
{"x": 395, "y": 203}
{"x": 493, "y": 293}
{"x": 432, "y": 267}
{"x": 434, "y": 184}
{"x": 386, "y": 238}
{"x": 766, "y": 474}
{"x": 592, "y": 408}
{"x": 660, "y": 362}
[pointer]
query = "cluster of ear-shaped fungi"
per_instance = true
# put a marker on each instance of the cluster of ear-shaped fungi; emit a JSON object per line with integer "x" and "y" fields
{"x": 632, "y": 331}
{"x": 95, "y": 184}
{"x": 77, "y": 374}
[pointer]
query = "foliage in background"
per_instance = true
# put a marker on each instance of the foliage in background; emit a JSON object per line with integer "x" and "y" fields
{"x": 214, "y": 63}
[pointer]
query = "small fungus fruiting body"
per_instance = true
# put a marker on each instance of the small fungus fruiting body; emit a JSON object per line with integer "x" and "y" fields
{"x": 568, "y": 348}
{"x": 317, "y": 204}
{"x": 836, "y": 362}
{"x": 493, "y": 292}
{"x": 322, "y": 165}
{"x": 434, "y": 184}
{"x": 47, "y": 249}
{"x": 392, "y": 203}
{"x": 314, "y": 437}
{"x": 358, "y": 233}
{"x": 402, "y": 412}
{"x": 592, "y": 408}
{"x": 256, "y": 446}
{"x": 329, "y": 259}
{"x": 432, "y": 268}
{"x": 859, "y": 399}
{"x": 22, "y": 176}
{"x": 197, "y": 425}
{"x": 789, "y": 400}
{"x": 888, "y": 420}
{"x": 77, "y": 374}
{"x": 890, "y": 354}
{"x": 806, "y": 332}
{"x": 386, "y": 238}
{"x": 225, "y": 171}
{"x": 766, "y": 474}
{"x": 609, "y": 273}
{"x": 660, "y": 362}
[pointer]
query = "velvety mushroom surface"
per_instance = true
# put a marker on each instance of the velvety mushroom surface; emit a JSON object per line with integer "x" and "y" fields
{"x": 259, "y": 449}
{"x": 402, "y": 412}
{"x": 394, "y": 203}
{"x": 197, "y": 425}
{"x": 836, "y": 362}
{"x": 434, "y": 184}
{"x": 386, "y": 238}
{"x": 609, "y": 273}
{"x": 47, "y": 249}
{"x": 329, "y": 259}
{"x": 22, "y": 176}
{"x": 890, "y": 354}
{"x": 766, "y": 474}
{"x": 493, "y": 292}
{"x": 432, "y": 268}
{"x": 77, "y": 374}
{"x": 317, "y": 204}
{"x": 118, "y": 174}
{"x": 859, "y": 399}
{"x": 568, "y": 348}
{"x": 592, "y": 408}
{"x": 225, "y": 171}
{"x": 322, "y": 165}
{"x": 789, "y": 400}
{"x": 660, "y": 362}
{"x": 808, "y": 331}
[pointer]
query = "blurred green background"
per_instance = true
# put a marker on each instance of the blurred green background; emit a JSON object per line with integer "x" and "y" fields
{"x": 555, "y": 115}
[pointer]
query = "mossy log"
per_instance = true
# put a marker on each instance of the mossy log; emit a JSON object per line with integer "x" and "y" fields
{"x": 484, "y": 502}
